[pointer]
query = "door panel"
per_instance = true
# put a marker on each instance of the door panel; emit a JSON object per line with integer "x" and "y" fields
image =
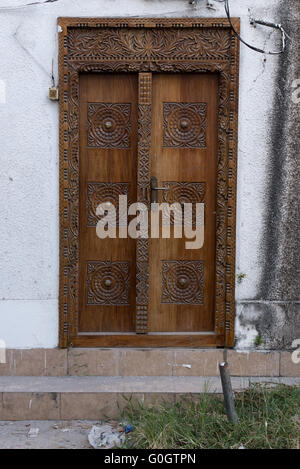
{"x": 108, "y": 149}
{"x": 184, "y": 159}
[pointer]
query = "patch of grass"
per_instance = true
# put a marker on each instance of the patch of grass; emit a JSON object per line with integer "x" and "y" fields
{"x": 240, "y": 277}
{"x": 268, "y": 418}
{"x": 259, "y": 340}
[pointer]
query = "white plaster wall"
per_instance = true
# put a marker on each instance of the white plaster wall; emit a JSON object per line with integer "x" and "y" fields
{"x": 29, "y": 153}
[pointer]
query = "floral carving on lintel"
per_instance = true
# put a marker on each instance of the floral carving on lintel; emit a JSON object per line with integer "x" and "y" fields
{"x": 149, "y": 44}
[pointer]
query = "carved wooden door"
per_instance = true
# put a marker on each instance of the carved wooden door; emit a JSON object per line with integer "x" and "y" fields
{"x": 135, "y": 128}
{"x": 148, "y": 110}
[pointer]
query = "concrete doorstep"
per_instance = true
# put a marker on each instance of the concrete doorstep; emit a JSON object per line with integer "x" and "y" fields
{"x": 146, "y": 362}
{"x": 101, "y": 397}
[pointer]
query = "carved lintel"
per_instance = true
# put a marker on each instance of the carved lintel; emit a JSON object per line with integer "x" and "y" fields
{"x": 160, "y": 44}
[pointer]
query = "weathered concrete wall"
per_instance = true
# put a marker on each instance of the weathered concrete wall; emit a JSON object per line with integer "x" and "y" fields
{"x": 267, "y": 193}
{"x": 274, "y": 312}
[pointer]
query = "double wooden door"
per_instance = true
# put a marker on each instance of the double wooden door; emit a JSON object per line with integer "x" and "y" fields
{"x": 139, "y": 131}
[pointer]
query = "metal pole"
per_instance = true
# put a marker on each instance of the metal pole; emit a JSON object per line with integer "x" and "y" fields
{"x": 228, "y": 393}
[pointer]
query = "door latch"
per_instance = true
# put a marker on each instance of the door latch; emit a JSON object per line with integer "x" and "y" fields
{"x": 154, "y": 189}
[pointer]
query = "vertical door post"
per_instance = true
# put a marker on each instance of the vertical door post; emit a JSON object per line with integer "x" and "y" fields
{"x": 143, "y": 184}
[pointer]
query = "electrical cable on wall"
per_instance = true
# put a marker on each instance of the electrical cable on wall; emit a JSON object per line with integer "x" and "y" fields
{"x": 27, "y": 5}
{"x": 263, "y": 23}
{"x": 268, "y": 24}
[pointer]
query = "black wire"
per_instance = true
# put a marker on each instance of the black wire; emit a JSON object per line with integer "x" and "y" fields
{"x": 256, "y": 49}
{"x": 226, "y": 6}
{"x": 16, "y": 7}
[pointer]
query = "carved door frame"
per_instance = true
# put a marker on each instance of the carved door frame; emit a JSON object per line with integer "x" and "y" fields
{"x": 172, "y": 45}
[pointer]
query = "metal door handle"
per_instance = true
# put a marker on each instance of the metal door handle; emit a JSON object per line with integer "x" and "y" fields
{"x": 154, "y": 189}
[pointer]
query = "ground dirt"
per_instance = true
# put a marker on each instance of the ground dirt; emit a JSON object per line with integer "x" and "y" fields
{"x": 52, "y": 434}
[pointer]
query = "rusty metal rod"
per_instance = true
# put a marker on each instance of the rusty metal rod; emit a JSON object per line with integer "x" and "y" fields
{"x": 228, "y": 393}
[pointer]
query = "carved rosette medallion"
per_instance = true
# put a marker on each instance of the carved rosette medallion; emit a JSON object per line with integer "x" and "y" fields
{"x": 109, "y": 125}
{"x": 105, "y": 192}
{"x": 182, "y": 193}
{"x": 182, "y": 282}
{"x": 108, "y": 283}
{"x": 184, "y": 125}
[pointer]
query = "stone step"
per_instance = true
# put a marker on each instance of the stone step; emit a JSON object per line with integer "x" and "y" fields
{"x": 145, "y": 362}
{"x": 97, "y": 398}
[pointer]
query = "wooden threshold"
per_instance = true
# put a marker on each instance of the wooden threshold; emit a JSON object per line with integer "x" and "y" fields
{"x": 149, "y": 340}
